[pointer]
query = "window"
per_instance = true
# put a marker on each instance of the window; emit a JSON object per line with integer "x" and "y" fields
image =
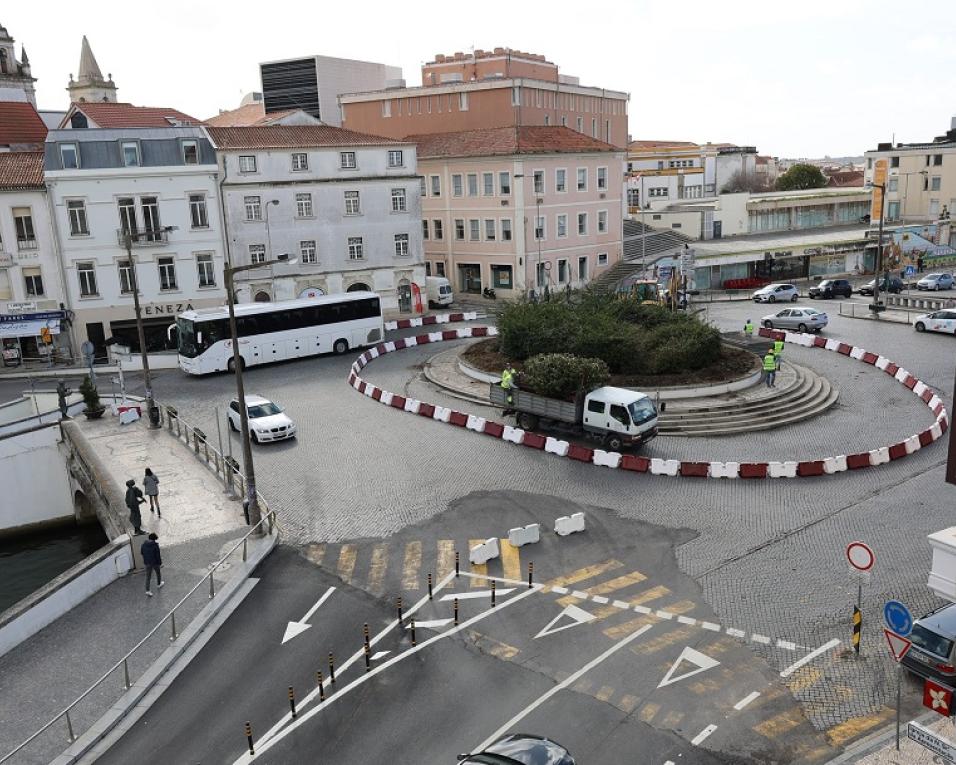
{"x": 583, "y": 268}
{"x": 437, "y": 229}
{"x": 130, "y": 154}
{"x": 602, "y": 258}
{"x": 398, "y": 200}
{"x": 934, "y": 207}
{"x": 190, "y": 153}
{"x": 594, "y": 133}
{"x": 894, "y": 161}
{"x": 347, "y": 160}
{"x": 561, "y": 180}
{"x": 539, "y": 227}
{"x": 937, "y": 159}
{"x": 424, "y": 229}
{"x": 436, "y": 185}
{"x": 352, "y": 203}
{"x": 395, "y": 158}
{"x": 541, "y": 274}
{"x": 127, "y": 213}
{"x": 387, "y": 108}
{"x": 539, "y": 181}
{"x": 167, "y": 273}
{"x": 488, "y": 184}
{"x": 23, "y": 223}
{"x": 428, "y": 268}
{"x": 125, "y": 270}
{"x": 463, "y": 102}
{"x": 472, "y": 184}
{"x": 257, "y": 253}
{"x": 197, "y": 211}
{"x": 247, "y": 164}
{"x": 562, "y": 226}
{"x": 76, "y": 210}
{"x": 602, "y": 178}
{"x": 582, "y": 224}
{"x": 457, "y": 189}
{"x": 307, "y": 251}
{"x": 935, "y": 183}
{"x": 562, "y": 271}
{"x": 582, "y": 179}
{"x": 253, "y": 208}
{"x": 516, "y": 96}
{"x": 564, "y": 121}
{"x": 459, "y": 229}
{"x": 602, "y": 221}
{"x": 300, "y": 161}
{"x": 205, "y": 269}
{"x": 69, "y": 156}
{"x": 595, "y": 406}
{"x": 150, "y": 207}
{"x": 474, "y": 230}
{"x": 490, "y": 231}
{"x": 401, "y": 245}
{"x": 87, "y": 276}
{"x": 33, "y": 281}
{"x": 547, "y": 119}
{"x": 501, "y": 277}
{"x": 421, "y": 183}
{"x": 439, "y": 268}
{"x": 893, "y": 184}
{"x": 504, "y": 183}
{"x": 580, "y": 124}
{"x": 657, "y": 191}
{"x": 356, "y": 251}
{"x": 303, "y": 205}
{"x": 506, "y": 229}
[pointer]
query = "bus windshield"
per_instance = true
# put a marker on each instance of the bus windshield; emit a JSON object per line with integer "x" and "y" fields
{"x": 186, "y": 329}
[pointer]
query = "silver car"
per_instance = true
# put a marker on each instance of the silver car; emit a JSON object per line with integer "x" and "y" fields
{"x": 800, "y": 318}
{"x": 776, "y": 293}
{"x": 935, "y": 282}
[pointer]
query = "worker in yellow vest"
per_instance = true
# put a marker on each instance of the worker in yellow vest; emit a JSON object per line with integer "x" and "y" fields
{"x": 508, "y": 383}
{"x": 749, "y": 329}
{"x": 777, "y": 351}
{"x": 770, "y": 368}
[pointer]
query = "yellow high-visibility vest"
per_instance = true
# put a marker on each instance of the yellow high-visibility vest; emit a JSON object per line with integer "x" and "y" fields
{"x": 769, "y": 362}
{"x": 777, "y": 347}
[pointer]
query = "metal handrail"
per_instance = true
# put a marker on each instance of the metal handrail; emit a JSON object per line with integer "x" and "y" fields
{"x": 269, "y": 517}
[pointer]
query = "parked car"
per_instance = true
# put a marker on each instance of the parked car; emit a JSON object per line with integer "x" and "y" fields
{"x": 776, "y": 293}
{"x": 938, "y": 321}
{"x": 520, "y": 749}
{"x": 267, "y": 421}
{"x": 829, "y": 288}
{"x": 935, "y": 282}
{"x": 934, "y": 639}
{"x": 893, "y": 284}
{"x": 800, "y": 318}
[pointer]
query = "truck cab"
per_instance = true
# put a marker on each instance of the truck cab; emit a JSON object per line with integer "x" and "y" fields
{"x": 622, "y": 417}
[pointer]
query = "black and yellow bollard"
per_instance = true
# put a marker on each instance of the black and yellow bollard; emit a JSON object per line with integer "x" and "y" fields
{"x": 413, "y": 632}
{"x": 456, "y": 612}
{"x": 429, "y": 586}
{"x": 492, "y": 593}
{"x": 331, "y": 669}
{"x": 457, "y": 559}
{"x": 399, "y": 611}
{"x": 252, "y": 749}
{"x": 368, "y": 658}
{"x": 292, "y": 701}
{"x": 365, "y": 635}
{"x": 530, "y": 574}
{"x": 857, "y": 628}
{"x": 318, "y": 679}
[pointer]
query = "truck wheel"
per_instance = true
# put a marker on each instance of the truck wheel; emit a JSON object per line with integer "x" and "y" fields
{"x": 527, "y": 421}
{"x": 613, "y": 443}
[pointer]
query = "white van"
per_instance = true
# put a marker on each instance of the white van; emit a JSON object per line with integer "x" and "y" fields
{"x": 439, "y": 291}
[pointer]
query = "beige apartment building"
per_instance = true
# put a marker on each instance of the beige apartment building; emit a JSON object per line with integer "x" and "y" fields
{"x": 920, "y": 179}
{"x": 519, "y": 208}
{"x": 489, "y": 89}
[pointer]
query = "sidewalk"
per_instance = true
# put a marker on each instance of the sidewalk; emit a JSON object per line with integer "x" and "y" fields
{"x": 42, "y": 676}
{"x": 880, "y": 749}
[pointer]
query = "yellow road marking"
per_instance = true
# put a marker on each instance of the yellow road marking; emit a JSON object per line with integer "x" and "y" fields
{"x": 315, "y": 553}
{"x": 627, "y": 703}
{"x": 510, "y": 560}
{"x": 412, "y": 566}
{"x": 481, "y": 569}
{"x": 376, "y": 569}
{"x": 493, "y": 647}
{"x": 802, "y": 679}
{"x": 588, "y": 572}
{"x": 619, "y": 631}
{"x": 648, "y": 711}
{"x": 662, "y": 641}
{"x": 840, "y": 734}
{"x": 604, "y": 693}
{"x": 779, "y": 724}
{"x": 346, "y": 565}
{"x": 446, "y": 557}
{"x": 618, "y": 583}
{"x": 672, "y": 720}
{"x": 702, "y": 687}
{"x": 583, "y": 686}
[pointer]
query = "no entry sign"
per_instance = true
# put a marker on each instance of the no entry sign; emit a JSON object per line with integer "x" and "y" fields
{"x": 860, "y": 556}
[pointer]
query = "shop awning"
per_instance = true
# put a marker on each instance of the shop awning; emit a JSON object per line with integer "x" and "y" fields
{"x": 29, "y": 327}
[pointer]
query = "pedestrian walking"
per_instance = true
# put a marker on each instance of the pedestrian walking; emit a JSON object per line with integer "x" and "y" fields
{"x": 769, "y": 368}
{"x": 508, "y": 383}
{"x": 153, "y": 560}
{"x": 61, "y": 393}
{"x": 749, "y": 329}
{"x": 134, "y": 498}
{"x": 151, "y": 487}
{"x": 919, "y": 264}
{"x": 777, "y": 352}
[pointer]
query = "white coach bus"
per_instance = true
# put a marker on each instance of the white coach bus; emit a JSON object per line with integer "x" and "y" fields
{"x": 278, "y": 331}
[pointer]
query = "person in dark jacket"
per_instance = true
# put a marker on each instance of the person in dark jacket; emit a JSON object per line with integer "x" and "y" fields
{"x": 153, "y": 560}
{"x": 151, "y": 486}
{"x": 134, "y": 498}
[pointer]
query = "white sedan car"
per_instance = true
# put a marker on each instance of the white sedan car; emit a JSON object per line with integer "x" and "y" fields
{"x": 776, "y": 293}
{"x": 267, "y": 421}
{"x": 938, "y": 321}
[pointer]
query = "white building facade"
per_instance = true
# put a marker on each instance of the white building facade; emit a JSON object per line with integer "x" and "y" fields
{"x": 159, "y": 185}
{"x": 346, "y": 206}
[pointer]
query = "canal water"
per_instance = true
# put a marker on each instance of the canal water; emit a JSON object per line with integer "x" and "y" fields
{"x": 29, "y": 561}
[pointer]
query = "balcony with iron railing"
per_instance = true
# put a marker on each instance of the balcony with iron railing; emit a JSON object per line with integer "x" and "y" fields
{"x": 143, "y": 237}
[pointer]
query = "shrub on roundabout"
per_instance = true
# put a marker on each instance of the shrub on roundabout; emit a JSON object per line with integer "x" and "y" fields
{"x": 561, "y": 375}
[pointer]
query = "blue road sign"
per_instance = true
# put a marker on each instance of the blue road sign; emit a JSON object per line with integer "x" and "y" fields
{"x": 910, "y": 270}
{"x": 898, "y": 617}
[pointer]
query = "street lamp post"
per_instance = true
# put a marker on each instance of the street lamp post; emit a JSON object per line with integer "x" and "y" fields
{"x": 255, "y": 514}
{"x": 128, "y": 238}
{"x": 876, "y": 307}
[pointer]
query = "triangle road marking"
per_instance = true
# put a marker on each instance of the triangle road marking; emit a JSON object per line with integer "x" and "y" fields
{"x": 702, "y": 661}
{"x": 576, "y": 615}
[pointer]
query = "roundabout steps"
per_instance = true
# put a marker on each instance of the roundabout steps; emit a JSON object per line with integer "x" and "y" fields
{"x": 807, "y": 395}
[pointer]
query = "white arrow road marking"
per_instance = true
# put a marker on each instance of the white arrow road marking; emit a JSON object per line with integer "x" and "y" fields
{"x": 577, "y": 616}
{"x": 297, "y": 628}
{"x": 476, "y": 594}
{"x": 432, "y": 623}
{"x": 692, "y": 656}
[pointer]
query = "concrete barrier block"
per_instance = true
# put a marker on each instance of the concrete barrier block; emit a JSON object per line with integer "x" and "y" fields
{"x": 372, "y": 353}
{"x": 429, "y": 320}
{"x": 891, "y": 369}
{"x": 555, "y": 446}
{"x": 398, "y": 402}
{"x": 882, "y": 363}
{"x": 386, "y": 398}
{"x": 920, "y": 388}
{"x": 494, "y": 429}
{"x": 819, "y": 342}
{"x": 782, "y": 469}
{"x": 449, "y": 334}
{"x": 389, "y": 347}
{"x": 898, "y": 450}
{"x": 912, "y": 444}
{"x": 515, "y": 435}
{"x": 442, "y": 413}
{"x": 435, "y": 337}
{"x": 764, "y": 332}
{"x": 492, "y": 332}
{"x": 753, "y": 469}
{"x": 606, "y": 459}
{"x": 833, "y": 465}
{"x": 525, "y": 535}
{"x": 580, "y": 453}
{"x": 857, "y": 461}
{"x": 470, "y": 315}
{"x": 391, "y": 325}
{"x": 927, "y": 395}
{"x": 724, "y": 469}
{"x": 484, "y": 552}
{"x": 533, "y": 440}
{"x": 925, "y": 438}
{"x": 857, "y": 353}
{"x": 936, "y": 431}
{"x": 475, "y": 423}
{"x": 371, "y": 391}
{"x": 901, "y": 374}
{"x": 411, "y": 342}
{"x": 809, "y": 468}
{"x": 411, "y": 405}
{"x": 636, "y": 463}
{"x": 569, "y": 524}
{"x": 832, "y": 345}
{"x": 934, "y": 402}
{"x": 459, "y": 419}
{"x": 845, "y": 349}
{"x": 869, "y": 358}
{"x": 694, "y": 469}
{"x": 664, "y": 467}
{"x": 479, "y": 331}
{"x": 464, "y": 332}
{"x": 880, "y": 456}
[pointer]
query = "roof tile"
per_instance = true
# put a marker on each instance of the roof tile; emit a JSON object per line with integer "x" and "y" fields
{"x": 124, "y": 115}
{"x": 291, "y": 137}
{"x": 247, "y": 116}
{"x": 20, "y": 124}
{"x": 21, "y": 170}
{"x": 523, "y": 139}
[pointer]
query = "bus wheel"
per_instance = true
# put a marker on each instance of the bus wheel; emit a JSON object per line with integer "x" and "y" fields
{"x": 340, "y": 347}
{"x": 231, "y": 365}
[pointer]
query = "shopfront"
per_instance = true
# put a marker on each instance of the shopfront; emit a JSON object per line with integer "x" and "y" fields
{"x": 32, "y": 337}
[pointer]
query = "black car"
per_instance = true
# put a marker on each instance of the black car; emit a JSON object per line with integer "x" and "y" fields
{"x": 520, "y": 749}
{"x": 893, "y": 284}
{"x": 829, "y": 288}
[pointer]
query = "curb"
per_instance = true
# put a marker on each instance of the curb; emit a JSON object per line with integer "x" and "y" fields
{"x": 656, "y": 466}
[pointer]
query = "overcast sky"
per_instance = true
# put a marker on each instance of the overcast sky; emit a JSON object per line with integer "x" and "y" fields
{"x": 795, "y": 79}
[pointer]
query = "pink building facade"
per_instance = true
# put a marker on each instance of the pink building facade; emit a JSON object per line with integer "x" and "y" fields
{"x": 518, "y": 209}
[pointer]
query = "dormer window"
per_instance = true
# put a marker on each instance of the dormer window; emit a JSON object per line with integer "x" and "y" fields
{"x": 69, "y": 156}
{"x": 190, "y": 153}
{"x": 130, "y": 151}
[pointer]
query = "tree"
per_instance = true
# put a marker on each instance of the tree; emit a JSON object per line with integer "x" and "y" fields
{"x": 741, "y": 181}
{"x": 801, "y": 176}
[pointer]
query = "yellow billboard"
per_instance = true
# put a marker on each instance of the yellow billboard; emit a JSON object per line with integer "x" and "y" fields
{"x": 879, "y": 179}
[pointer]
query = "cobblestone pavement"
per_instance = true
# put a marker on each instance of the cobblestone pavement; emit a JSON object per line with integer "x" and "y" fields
{"x": 767, "y": 553}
